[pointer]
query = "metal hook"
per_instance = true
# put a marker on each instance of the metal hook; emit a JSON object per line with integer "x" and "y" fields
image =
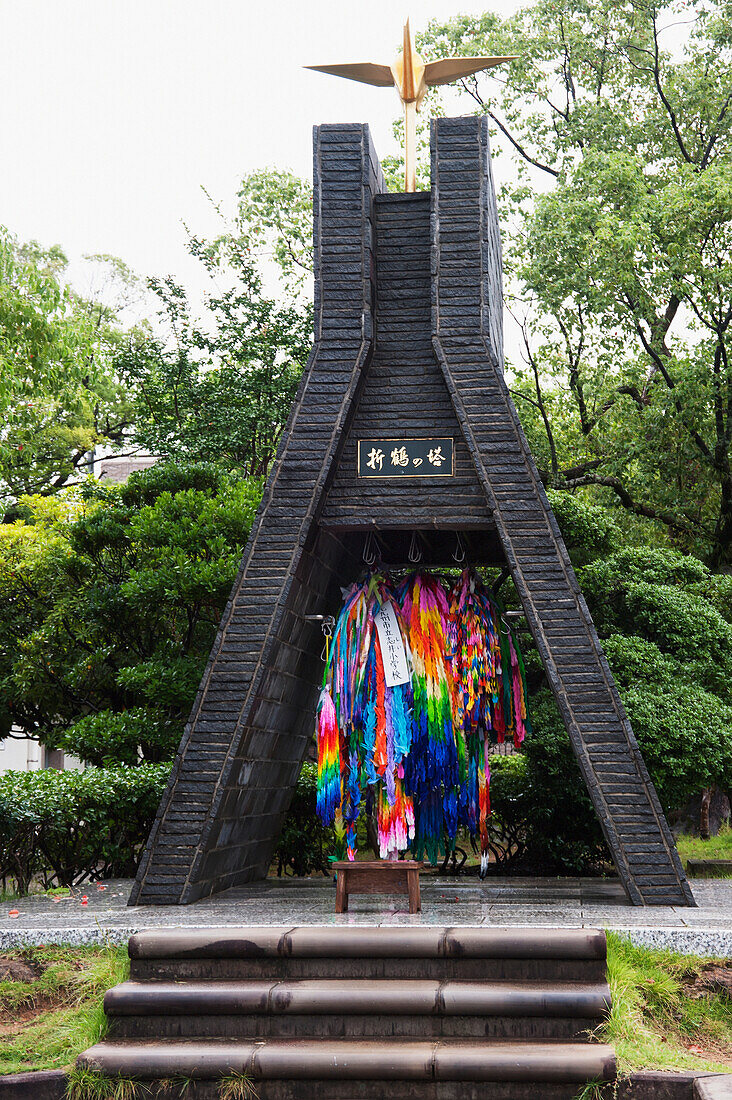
{"x": 458, "y": 554}
{"x": 415, "y": 550}
{"x": 369, "y": 551}
{"x": 328, "y": 628}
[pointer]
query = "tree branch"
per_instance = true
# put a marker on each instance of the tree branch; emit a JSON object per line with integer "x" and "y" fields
{"x": 628, "y": 502}
{"x": 540, "y": 403}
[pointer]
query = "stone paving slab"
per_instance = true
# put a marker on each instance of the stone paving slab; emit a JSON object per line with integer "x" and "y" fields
{"x": 567, "y": 903}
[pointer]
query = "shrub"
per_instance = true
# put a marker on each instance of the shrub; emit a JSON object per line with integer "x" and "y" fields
{"x": 64, "y": 828}
{"x": 589, "y": 530}
{"x": 684, "y": 736}
{"x": 107, "y": 738}
{"x": 110, "y": 604}
{"x": 564, "y": 834}
{"x": 305, "y": 845}
{"x": 511, "y": 806}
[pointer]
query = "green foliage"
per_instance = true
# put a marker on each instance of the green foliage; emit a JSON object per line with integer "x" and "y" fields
{"x": 47, "y": 1022}
{"x": 275, "y": 220}
{"x": 589, "y": 530}
{"x": 108, "y": 737}
{"x": 684, "y": 735}
{"x": 655, "y": 1019}
{"x": 564, "y": 835}
{"x": 111, "y": 601}
{"x": 619, "y": 250}
{"x": 60, "y": 395}
{"x": 660, "y": 615}
{"x": 65, "y": 826}
{"x": 511, "y": 808}
{"x": 305, "y": 845}
{"x": 219, "y": 388}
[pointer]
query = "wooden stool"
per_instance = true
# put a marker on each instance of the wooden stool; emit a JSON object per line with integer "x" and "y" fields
{"x": 378, "y": 877}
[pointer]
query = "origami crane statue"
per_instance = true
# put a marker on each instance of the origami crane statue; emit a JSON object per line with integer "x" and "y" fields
{"x": 411, "y": 76}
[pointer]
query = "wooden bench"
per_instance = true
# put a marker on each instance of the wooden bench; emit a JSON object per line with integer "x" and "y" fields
{"x": 378, "y": 877}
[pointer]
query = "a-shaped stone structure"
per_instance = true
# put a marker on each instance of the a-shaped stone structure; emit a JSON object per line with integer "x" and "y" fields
{"x": 408, "y": 347}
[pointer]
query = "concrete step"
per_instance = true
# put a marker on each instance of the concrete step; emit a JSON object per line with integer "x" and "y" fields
{"x": 292, "y": 1026}
{"x": 360, "y": 1013}
{"x": 352, "y": 941}
{"x": 304, "y": 1060}
{"x": 324, "y": 1089}
{"x": 361, "y": 1008}
{"x": 489, "y": 970}
{"x": 359, "y": 952}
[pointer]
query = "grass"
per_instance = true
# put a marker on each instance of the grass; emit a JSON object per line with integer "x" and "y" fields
{"x": 45, "y": 1023}
{"x": 35, "y": 891}
{"x": 717, "y": 847}
{"x": 237, "y": 1086}
{"x": 655, "y": 1023}
{"x": 87, "y": 1084}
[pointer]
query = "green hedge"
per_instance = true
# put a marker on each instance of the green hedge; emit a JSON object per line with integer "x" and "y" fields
{"x": 305, "y": 844}
{"x": 63, "y": 828}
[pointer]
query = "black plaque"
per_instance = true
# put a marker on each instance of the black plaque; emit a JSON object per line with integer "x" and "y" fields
{"x": 405, "y": 458}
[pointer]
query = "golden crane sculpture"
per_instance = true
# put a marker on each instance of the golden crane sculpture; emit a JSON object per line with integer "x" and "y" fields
{"x": 411, "y": 76}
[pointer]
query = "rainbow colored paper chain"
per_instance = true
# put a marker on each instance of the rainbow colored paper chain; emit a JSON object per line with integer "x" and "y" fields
{"x": 419, "y": 752}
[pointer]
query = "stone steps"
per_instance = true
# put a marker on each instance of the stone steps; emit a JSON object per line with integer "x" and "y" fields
{"x": 357, "y": 1059}
{"x": 365, "y": 952}
{"x": 323, "y": 1008}
{"x": 377, "y": 1033}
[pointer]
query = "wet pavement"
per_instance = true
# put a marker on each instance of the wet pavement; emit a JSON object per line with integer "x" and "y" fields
{"x": 98, "y": 912}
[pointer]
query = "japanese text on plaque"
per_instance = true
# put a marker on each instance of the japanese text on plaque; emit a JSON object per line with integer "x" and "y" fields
{"x": 405, "y": 458}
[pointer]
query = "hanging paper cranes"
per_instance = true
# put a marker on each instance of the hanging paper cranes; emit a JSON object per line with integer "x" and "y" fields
{"x": 364, "y": 724}
{"x": 419, "y": 681}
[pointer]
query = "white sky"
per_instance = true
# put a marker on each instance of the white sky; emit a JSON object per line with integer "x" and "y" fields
{"x": 113, "y": 113}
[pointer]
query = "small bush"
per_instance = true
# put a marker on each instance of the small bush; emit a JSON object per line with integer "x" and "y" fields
{"x": 67, "y": 827}
{"x": 510, "y": 808}
{"x": 564, "y": 834}
{"x": 107, "y": 738}
{"x": 589, "y": 530}
{"x": 305, "y": 845}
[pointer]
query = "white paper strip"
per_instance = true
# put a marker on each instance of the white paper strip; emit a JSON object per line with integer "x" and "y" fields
{"x": 392, "y": 647}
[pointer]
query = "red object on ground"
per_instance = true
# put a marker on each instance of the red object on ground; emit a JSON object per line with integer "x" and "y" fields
{"x": 14, "y": 913}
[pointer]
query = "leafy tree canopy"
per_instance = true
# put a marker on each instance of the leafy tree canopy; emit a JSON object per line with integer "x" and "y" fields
{"x": 112, "y": 598}
{"x": 60, "y": 395}
{"x": 275, "y": 221}
{"x": 666, "y": 626}
{"x": 619, "y": 235}
{"x": 219, "y": 387}
{"x": 667, "y": 636}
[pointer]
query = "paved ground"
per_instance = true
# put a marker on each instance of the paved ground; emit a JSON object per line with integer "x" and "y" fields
{"x": 573, "y": 903}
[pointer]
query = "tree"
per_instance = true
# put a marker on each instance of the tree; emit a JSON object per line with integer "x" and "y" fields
{"x": 111, "y": 600}
{"x": 620, "y": 230}
{"x": 666, "y": 626}
{"x": 218, "y": 388}
{"x": 59, "y": 393}
{"x": 275, "y": 221}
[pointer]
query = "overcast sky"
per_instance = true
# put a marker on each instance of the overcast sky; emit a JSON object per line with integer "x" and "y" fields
{"x": 113, "y": 114}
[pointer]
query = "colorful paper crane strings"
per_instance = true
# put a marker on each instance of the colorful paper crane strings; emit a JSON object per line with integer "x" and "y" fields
{"x": 410, "y": 739}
